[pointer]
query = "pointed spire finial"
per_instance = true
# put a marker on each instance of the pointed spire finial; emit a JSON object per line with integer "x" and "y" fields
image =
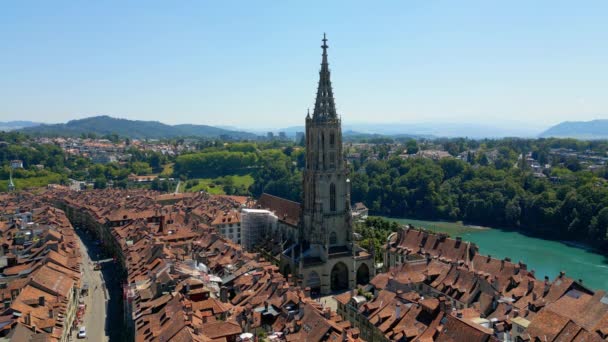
{"x": 325, "y": 107}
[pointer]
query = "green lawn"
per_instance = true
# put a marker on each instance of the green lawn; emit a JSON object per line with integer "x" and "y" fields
{"x": 208, "y": 185}
{"x": 216, "y": 185}
{"x": 32, "y": 182}
{"x": 167, "y": 171}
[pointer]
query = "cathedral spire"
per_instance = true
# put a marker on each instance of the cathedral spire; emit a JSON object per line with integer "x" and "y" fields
{"x": 325, "y": 107}
{"x": 324, "y": 47}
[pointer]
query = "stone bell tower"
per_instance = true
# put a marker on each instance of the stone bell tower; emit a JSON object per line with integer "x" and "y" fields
{"x": 325, "y": 258}
{"x": 326, "y": 203}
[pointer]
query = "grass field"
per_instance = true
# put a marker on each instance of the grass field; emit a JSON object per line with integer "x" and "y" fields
{"x": 452, "y": 228}
{"x": 216, "y": 185}
{"x": 167, "y": 171}
{"x": 32, "y": 182}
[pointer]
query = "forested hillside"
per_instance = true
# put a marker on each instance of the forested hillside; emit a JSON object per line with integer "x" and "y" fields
{"x": 568, "y": 202}
{"x": 105, "y": 125}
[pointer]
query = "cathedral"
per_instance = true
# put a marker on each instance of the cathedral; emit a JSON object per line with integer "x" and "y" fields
{"x": 325, "y": 257}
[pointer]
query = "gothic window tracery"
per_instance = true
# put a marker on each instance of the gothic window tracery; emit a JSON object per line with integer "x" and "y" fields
{"x": 333, "y": 238}
{"x": 332, "y": 197}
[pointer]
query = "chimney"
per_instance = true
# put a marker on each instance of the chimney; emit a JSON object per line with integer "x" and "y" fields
{"x": 50, "y": 313}
{"x": 28, "y": 319}
{"x": 562, "y": 274}
{"x": 398, "y": 311}
{"x": 41, "y": 301}
{"x": 530, "y": 285}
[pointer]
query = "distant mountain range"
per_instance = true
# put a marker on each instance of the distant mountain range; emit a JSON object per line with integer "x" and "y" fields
{"x": 429, "y": 130}
{"x": 12, "y": 125}
{"x": 102, "y": 125}
{"x": 588, "y": 130}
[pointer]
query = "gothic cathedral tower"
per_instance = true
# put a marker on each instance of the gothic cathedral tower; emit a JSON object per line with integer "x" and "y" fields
{"x": 325, "y": 256}
{"x": 326, "y": 203}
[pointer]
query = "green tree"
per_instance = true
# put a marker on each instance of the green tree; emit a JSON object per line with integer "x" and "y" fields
{"x": 412, "y": 147}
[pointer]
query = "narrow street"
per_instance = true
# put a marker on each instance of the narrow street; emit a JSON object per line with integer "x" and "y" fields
{"x": 96, "y": 300}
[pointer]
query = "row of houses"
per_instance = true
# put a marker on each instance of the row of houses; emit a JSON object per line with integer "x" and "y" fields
{"x": 186, "y": 281}
{"x": 40, "y": 271}
{"x": 441, "y": 289}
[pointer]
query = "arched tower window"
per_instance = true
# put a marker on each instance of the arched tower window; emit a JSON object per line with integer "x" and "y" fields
{"x": 323, "y": 150}
{"x": 332, "y": 140}
{"x": 332, "y": 197}
{"x": 333, "y": 238}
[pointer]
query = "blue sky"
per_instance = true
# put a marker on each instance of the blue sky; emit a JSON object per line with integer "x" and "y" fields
{"x": 255, "y": 63}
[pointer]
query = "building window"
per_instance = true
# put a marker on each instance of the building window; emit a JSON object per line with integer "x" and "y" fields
{"x": 333, "y": 238}
{"x": 332, "y": 139}
{"x": 332, "y": 197}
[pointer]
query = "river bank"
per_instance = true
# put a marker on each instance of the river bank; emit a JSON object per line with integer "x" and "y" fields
{"x": 546, "y": 257}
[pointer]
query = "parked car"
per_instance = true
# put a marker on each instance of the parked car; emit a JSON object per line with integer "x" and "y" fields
{"x": 82, "y": 333}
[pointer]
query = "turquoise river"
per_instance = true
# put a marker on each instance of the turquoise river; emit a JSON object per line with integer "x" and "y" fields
{"x": 545, "y": 257}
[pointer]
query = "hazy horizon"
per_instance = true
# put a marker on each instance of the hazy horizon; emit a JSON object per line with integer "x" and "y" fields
{"x": 509, "y": 125}
{"x": 256, "y": 65}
